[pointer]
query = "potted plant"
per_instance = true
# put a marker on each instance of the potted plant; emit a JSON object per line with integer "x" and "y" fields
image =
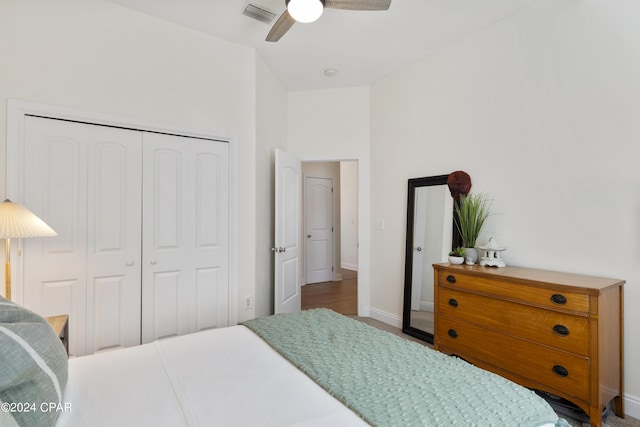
{"x": 472, "y": 212}
{"x": 456, "y": 256}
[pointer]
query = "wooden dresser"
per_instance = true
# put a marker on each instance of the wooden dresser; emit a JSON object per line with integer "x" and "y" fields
{"x": 556, "y": 332}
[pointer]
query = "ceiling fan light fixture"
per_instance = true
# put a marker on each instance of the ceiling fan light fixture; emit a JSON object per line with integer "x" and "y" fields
{"x": 305, "y": 10}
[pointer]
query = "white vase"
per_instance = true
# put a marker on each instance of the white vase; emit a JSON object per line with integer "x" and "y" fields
{"x": 470, "y": 256}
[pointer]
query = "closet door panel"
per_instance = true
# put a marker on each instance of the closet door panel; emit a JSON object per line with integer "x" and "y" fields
{"x": 106, "y": 331}
{"x": 84, "y": 180}
{"x": 166, "y": 304}
{"x": 167, "y": 196}
{"x": 55, "y": 177}
{"x": 113, "y": 241}
{"x": 209, "y": 293}
{"x": 211, "y": 207}
{"x": 166, "y": 276}
{"x": 185, "y": 205}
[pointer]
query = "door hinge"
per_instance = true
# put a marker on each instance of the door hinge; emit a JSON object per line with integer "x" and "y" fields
{"x": 332, "y": 269}
{"x": 332, "y": 189}
{"x": 332, "y": 229}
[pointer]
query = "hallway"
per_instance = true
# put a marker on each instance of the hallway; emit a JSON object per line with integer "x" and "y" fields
{"x": 340, "y": 296}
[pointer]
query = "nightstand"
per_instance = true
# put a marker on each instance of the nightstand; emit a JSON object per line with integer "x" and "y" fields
{"x": 60, "y": 325}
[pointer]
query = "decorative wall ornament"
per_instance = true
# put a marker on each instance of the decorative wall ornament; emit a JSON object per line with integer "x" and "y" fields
{"x": 459, "y": 183}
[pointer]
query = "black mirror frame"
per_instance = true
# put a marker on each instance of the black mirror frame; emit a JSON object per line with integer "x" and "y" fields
{"x": 414, "y": 183}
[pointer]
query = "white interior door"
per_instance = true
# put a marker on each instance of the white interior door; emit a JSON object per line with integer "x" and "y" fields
{"x": 288, "y": 207}
{"x": 80, "y": 177}
{"x": 318, "y": 225}
{"x": 185, "y": 235}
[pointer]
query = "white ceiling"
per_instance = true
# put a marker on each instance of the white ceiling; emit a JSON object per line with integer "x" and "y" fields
{"x": 362, "y": 46}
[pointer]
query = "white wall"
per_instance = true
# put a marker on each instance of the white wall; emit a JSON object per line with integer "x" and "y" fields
{"x": 349, "y": 215}
{"x": 93, "y": 55}
{"x": 541, "y": 110}
{"x": 271, "y": 133}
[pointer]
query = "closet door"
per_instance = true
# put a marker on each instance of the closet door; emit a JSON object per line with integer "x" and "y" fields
{"x": 185, "y": 235}
{"x": 84, "y": 181}
{"x": 113, "y": 238}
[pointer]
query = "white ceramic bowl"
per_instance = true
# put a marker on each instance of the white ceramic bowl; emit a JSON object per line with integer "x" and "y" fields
{"x": 456, "y": 260}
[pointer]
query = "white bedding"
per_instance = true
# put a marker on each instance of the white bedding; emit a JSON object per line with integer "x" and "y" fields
{"x": 220, "y": 377}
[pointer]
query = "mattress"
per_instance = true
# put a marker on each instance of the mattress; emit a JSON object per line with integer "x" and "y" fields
{"x": 221, "y": 377}
{"x": 314, "y": 368}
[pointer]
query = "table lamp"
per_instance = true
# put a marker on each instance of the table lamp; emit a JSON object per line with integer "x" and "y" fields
{"x": 17, "y": 222}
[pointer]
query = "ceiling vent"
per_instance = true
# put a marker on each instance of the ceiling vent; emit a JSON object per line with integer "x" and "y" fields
{"x": 259, "y": 13}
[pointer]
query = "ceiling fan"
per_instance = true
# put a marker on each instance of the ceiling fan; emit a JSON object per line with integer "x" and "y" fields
{"x": 310, "y": 10}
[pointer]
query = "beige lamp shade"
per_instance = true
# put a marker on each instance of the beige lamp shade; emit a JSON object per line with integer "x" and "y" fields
{"x": 16, "y": 221}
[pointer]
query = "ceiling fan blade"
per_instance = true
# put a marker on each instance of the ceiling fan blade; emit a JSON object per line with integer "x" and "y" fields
{"x": 281, "y": 26}
{"x": 358, "y": 4}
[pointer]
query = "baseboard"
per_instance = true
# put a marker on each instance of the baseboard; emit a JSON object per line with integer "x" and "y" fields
{"x": 388, "y": 318}
{"x": 426, "y": 306}
{"x": 632, "y": 406}
{"x": 347, "y": 266}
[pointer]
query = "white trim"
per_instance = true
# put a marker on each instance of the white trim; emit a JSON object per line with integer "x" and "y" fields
{"x": 632, "y": 405}
{"x": 234, "y": 230}
{"x": 427, "y": 306}
{"x": 18, "y": 109}
{"x": 348, "y": 266}
{"x": 383, "y": 316}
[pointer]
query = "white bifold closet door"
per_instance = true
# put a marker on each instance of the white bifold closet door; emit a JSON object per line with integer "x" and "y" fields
{"x": 184, "y": 235}
{"x": 142, "y": 246}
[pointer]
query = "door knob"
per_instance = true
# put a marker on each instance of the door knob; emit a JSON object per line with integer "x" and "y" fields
{"x": 309, "y": 235}
{"x": 281, "y": 249}
{"x": 419, "y": 248}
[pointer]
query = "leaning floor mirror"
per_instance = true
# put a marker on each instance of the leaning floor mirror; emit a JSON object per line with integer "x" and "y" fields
{"x": 430, "y": 236}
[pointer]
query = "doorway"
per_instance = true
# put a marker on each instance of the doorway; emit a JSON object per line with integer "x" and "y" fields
{"x": 340, "y": 291}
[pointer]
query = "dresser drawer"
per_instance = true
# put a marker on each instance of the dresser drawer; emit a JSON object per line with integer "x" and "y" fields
{"x": 558, "y": 370}
{"x": 556, "y": 329}
{"x": 526, "y": 294}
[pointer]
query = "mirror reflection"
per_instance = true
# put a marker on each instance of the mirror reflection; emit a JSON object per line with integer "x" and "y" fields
{"x": 429, "y": 239}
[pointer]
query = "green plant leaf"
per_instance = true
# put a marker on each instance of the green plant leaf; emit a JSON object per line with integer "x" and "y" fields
{"x": 472, "y": 212}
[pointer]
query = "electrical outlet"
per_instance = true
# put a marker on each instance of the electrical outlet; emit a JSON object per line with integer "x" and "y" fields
{"x": 248, "y": 302}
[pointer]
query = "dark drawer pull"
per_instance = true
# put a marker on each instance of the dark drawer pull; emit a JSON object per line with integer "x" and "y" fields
{"x": 561, "y": 330}
{"x": 560, "y": 370}
{"x": 452, "y": 333}
{"x": 451, "y": 279}
{"x": 453, "y": 302}
{"x": 558, "y": 299}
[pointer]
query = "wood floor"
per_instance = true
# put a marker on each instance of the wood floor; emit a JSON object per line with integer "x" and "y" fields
{"x": 340, "y": 296}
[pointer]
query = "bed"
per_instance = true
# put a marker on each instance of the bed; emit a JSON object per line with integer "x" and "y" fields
{"x": 313, "y": 368}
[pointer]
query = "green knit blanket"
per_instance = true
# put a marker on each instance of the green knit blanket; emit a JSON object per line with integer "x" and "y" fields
{"x": 390, "y": 381}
